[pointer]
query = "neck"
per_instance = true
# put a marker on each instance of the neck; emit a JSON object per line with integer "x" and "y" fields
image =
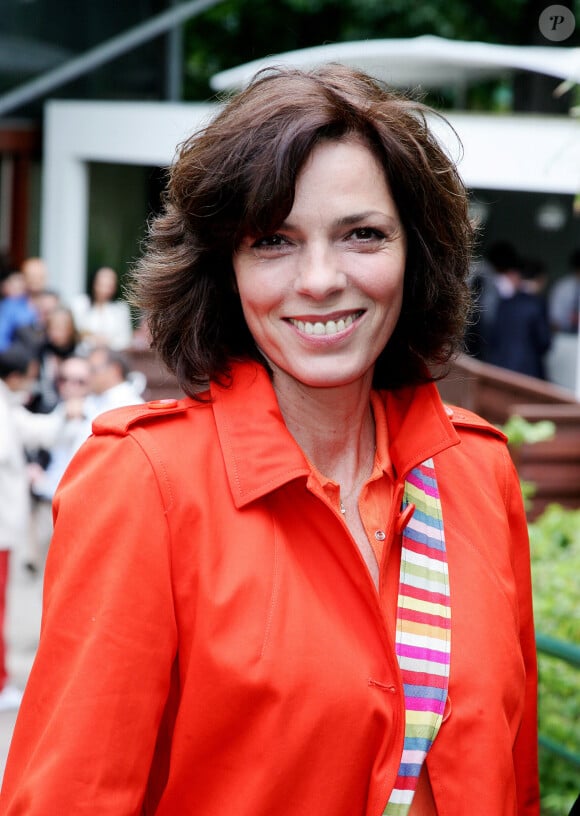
{"x": 333, "y": 426}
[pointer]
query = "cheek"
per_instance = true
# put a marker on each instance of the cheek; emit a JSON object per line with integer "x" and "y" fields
{"x": 250, "y": 300}
{"x": 243, "y": 283}
{"x": 387, "y": 290}
{"x": 256, "y": 293}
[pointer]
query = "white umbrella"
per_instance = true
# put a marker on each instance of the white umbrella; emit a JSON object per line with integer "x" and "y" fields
{"x": 432, "y": 62}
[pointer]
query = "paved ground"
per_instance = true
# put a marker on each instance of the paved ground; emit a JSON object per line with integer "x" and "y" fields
{"x": 22, "y": 625}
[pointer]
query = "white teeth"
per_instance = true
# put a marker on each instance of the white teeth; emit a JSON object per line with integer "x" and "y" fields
{"x": 330, "y": 327}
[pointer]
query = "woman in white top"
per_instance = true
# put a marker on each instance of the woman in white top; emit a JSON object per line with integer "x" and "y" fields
{"x": 101, "y": 318}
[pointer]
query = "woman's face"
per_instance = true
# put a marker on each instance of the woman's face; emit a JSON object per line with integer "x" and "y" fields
{"x": 105, "y": 285}
{"x": 60, "y": 329}
{"x": 322, "y": 295}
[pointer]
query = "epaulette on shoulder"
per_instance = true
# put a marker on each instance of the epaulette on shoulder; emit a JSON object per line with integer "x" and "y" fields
{"x": 120, "y": 420}
{"x": 462, "y": 418}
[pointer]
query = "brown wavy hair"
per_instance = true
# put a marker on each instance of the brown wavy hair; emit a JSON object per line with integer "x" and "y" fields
{"x": 237, "y": 176}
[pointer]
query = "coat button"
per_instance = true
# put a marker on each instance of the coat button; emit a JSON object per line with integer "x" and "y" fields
{"x": 380, "y": 535}
{"x": 448, "y": 411}
{"x": 162, "y": 403}
{"x": 404, "y": 518}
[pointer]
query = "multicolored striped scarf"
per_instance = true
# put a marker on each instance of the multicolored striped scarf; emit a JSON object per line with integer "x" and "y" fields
{"x": 423, "y": 637}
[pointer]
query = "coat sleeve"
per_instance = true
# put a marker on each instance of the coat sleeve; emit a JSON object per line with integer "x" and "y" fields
{"x": 86, "y": 731}
{"x": 526, "y": 744}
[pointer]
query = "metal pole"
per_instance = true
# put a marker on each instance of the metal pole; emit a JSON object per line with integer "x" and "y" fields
{"x": 174, "y": 62}
{"x": 103, "y": 53}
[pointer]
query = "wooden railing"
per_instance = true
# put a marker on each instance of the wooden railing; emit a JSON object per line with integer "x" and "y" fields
{"x": 497, "y": 394}
{"x": 493, "y": 392}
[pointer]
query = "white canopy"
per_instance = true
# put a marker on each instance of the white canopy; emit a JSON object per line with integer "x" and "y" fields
{"x": 432, "y": 62}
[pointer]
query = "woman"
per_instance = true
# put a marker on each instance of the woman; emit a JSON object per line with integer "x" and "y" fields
{"x": 102, "y": 318}
{"x": 61, "y": 342}
{"x": 321, "y": 574}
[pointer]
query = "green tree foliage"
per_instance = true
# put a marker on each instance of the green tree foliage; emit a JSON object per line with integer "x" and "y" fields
{"x": 519, "y": 431}
{"x": 555, "y": 554}
{"x": 237, "y": 31}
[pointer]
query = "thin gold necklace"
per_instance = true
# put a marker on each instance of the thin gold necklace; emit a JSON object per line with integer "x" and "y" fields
{"x": 357, "y": 485}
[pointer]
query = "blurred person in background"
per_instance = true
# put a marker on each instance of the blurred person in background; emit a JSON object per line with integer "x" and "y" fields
{"x": 564, "y": 298}
{"x": 519, "y": 336}
{"x": 16, "y": 310}
{"x": 61, "y": 341}
{"x": 87, "y": 386}
{"x": 35, "y": 273}
{"x": 490, "y": 280}
{"x": 34, "y": 335}
{"x": 102, "y": 317}
{"x": 111, "y": 384}
{"x": 16, "y": 373}
{"x": 21, "y": 291}
{"x": 73, "y": 386}
{"x": 36, "y": 435}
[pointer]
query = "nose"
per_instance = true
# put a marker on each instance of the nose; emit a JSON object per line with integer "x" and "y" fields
{"x": 319, "y": 273}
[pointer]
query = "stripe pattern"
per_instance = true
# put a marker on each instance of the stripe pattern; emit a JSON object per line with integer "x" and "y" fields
{"x": 423, "y": 637}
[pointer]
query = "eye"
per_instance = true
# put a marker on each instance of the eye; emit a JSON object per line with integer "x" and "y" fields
{"x": 274, "y": 240}
{"x": 367, "y": 234}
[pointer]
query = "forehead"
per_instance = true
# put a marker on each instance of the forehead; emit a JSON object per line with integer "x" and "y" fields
{"x": 343, "y": 172}
{"x": 97, "y": 357}
{"x": 14, "y": 280}
{"x": 58, "y": 318}
{"x": 48, "y": 300}
{"x": 75, "y": 366}
{"x": 34, "y": 268}
{"x": 106, "y": 275}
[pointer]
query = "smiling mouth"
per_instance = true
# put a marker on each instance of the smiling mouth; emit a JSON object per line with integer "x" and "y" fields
{"x": 327, "y": 327}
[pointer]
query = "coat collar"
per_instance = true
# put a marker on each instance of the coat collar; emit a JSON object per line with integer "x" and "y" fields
{"x": 261, "y": 455}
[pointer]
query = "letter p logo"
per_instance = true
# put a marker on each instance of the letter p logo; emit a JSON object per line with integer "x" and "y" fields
{"x": 557, "y": 23}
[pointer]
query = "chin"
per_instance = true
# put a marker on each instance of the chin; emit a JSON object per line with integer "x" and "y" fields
{"x": 326, "y": 379}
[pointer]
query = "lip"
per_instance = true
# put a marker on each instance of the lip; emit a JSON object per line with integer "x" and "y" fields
{"x": 314, "y": 317}
{"x": 334, "y": 325}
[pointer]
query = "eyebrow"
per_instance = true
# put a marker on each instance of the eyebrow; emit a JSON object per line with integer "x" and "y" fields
{"x": 353, "y": 218}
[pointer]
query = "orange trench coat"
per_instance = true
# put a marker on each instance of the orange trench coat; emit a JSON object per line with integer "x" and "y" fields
{"x": 212, "y": 642}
